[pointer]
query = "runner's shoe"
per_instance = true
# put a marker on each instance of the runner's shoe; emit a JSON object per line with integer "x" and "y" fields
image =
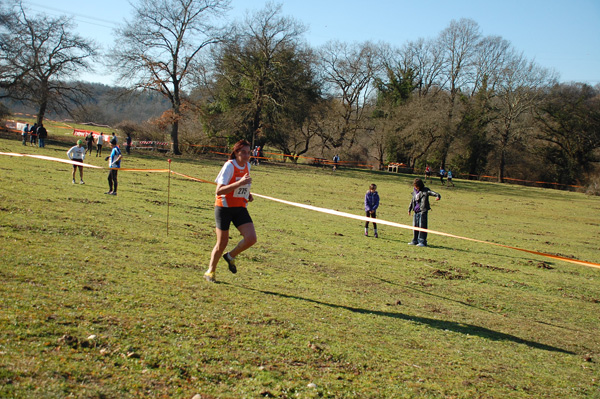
{"x": 376, "y": 235}
{"x": 210, "y": 277}
{"x": 230, "y": 262}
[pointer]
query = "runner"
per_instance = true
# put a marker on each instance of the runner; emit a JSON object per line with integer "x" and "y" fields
{"x": 233, "y": 195}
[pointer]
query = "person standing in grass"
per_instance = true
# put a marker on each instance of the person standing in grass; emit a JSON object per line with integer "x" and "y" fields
{"x": 77, "y": 154}
{"x": 419, "y": 204}
{"x": 42, "y": 135}
{"x": 89, "y": 140}
{"x": 128, "y": 144}
{"x": 114, "y": 162}
{"x": 99, "y": 143}
{"x": 24, "y": 133}
{"x": 232, "y": 197}
{"x": 33, "y": 134}
{"x": 371, "y": 205}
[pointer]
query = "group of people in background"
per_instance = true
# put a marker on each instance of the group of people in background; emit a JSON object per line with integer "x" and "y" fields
{"x": 78, "y": 152}
{"x": 37, "y": 135}
{"x": 256, "y": 155}
{"x": 441, "y": 174}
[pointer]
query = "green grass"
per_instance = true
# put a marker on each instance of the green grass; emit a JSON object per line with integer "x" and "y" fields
{"x": 314, "y": 300}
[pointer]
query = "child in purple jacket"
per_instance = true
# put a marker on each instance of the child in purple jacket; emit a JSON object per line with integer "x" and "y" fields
{"x": 371, "y": 205}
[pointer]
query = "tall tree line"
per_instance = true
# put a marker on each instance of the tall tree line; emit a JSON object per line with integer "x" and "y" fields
{"x": 460, "y": 100}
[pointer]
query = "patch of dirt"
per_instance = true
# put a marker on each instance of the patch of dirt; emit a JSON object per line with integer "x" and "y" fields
{"x": 453, "y": 274}
{"x": 494, "y": 268}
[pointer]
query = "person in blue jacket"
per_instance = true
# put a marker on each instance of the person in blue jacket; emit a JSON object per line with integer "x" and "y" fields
{"x": 371, "y": 205}
{"x": 114, "y": 162}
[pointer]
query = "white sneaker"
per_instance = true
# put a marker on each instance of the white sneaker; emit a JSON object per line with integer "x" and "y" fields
{"x": 73, "y": 181}
{"x": 81, "y": 182}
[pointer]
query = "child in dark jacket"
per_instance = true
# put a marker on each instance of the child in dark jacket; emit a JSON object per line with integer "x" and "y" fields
{"x": 371, "y": 205}
{"x": 419, "y": 204}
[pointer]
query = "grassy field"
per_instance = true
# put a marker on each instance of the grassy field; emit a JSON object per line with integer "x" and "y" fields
{"x": 98, "y": 302}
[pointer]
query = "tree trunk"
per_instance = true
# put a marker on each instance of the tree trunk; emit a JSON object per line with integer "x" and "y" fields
{"x": 502, "y": 166}
{"x": 41, "y": 112}
{"x": 175, "y": 138}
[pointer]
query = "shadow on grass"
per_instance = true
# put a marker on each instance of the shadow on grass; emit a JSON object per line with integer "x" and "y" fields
{"x": 462, "y": 328}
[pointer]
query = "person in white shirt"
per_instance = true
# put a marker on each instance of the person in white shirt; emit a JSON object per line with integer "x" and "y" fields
{"x": 77, "y": 154}
{"x": 99, "y": 143}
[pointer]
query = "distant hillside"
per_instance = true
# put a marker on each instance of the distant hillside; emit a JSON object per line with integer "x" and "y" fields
{"x": 106, "y": 105}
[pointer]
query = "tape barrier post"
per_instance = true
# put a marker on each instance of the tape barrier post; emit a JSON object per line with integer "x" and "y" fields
{"x": 168, "y": 197}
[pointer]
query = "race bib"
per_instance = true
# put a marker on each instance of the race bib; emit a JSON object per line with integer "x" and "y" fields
{"x": 242, "y": 192}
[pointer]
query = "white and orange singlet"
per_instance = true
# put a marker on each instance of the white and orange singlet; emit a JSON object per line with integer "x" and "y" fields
{"x": 230, "y": 173}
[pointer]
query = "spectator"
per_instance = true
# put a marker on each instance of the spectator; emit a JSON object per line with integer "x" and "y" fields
{"x": 42, "y": 135}
{"x": 77, "y": 154}
{"x": 128, "y": 144}
{"x": 114, "y": 162}
{"x": 419, "y": 204}
{"x": 33, "y": 134}
{"x": 89, "y": 140}
{"x": 99, "y": 143}
{"x": 371, "y": 205}
{"x": 24, "y": 133}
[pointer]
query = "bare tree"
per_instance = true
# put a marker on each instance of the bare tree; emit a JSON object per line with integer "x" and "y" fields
{"x": 520, "y": 86}
{"x": 39, "y": 55}
{"x": 159, "y": 49}
{"x": 348, "y": 72}
{"x": 489, "y": 61}
{"x": 425, "y": 58}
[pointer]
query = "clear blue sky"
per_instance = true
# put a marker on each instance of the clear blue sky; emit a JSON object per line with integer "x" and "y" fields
{"x": 563, "y": 35}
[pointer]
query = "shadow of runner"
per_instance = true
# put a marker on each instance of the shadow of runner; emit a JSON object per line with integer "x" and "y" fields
{"x": 461, "y": 328}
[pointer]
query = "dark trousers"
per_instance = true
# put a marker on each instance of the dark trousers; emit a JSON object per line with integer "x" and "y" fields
{"x": 371, "y": 215}
{"x": 420, "y": 220}
{"x": 112, "y": 180}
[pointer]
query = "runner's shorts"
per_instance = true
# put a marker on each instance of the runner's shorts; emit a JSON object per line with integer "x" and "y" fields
{"x": 224, "y": 216}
